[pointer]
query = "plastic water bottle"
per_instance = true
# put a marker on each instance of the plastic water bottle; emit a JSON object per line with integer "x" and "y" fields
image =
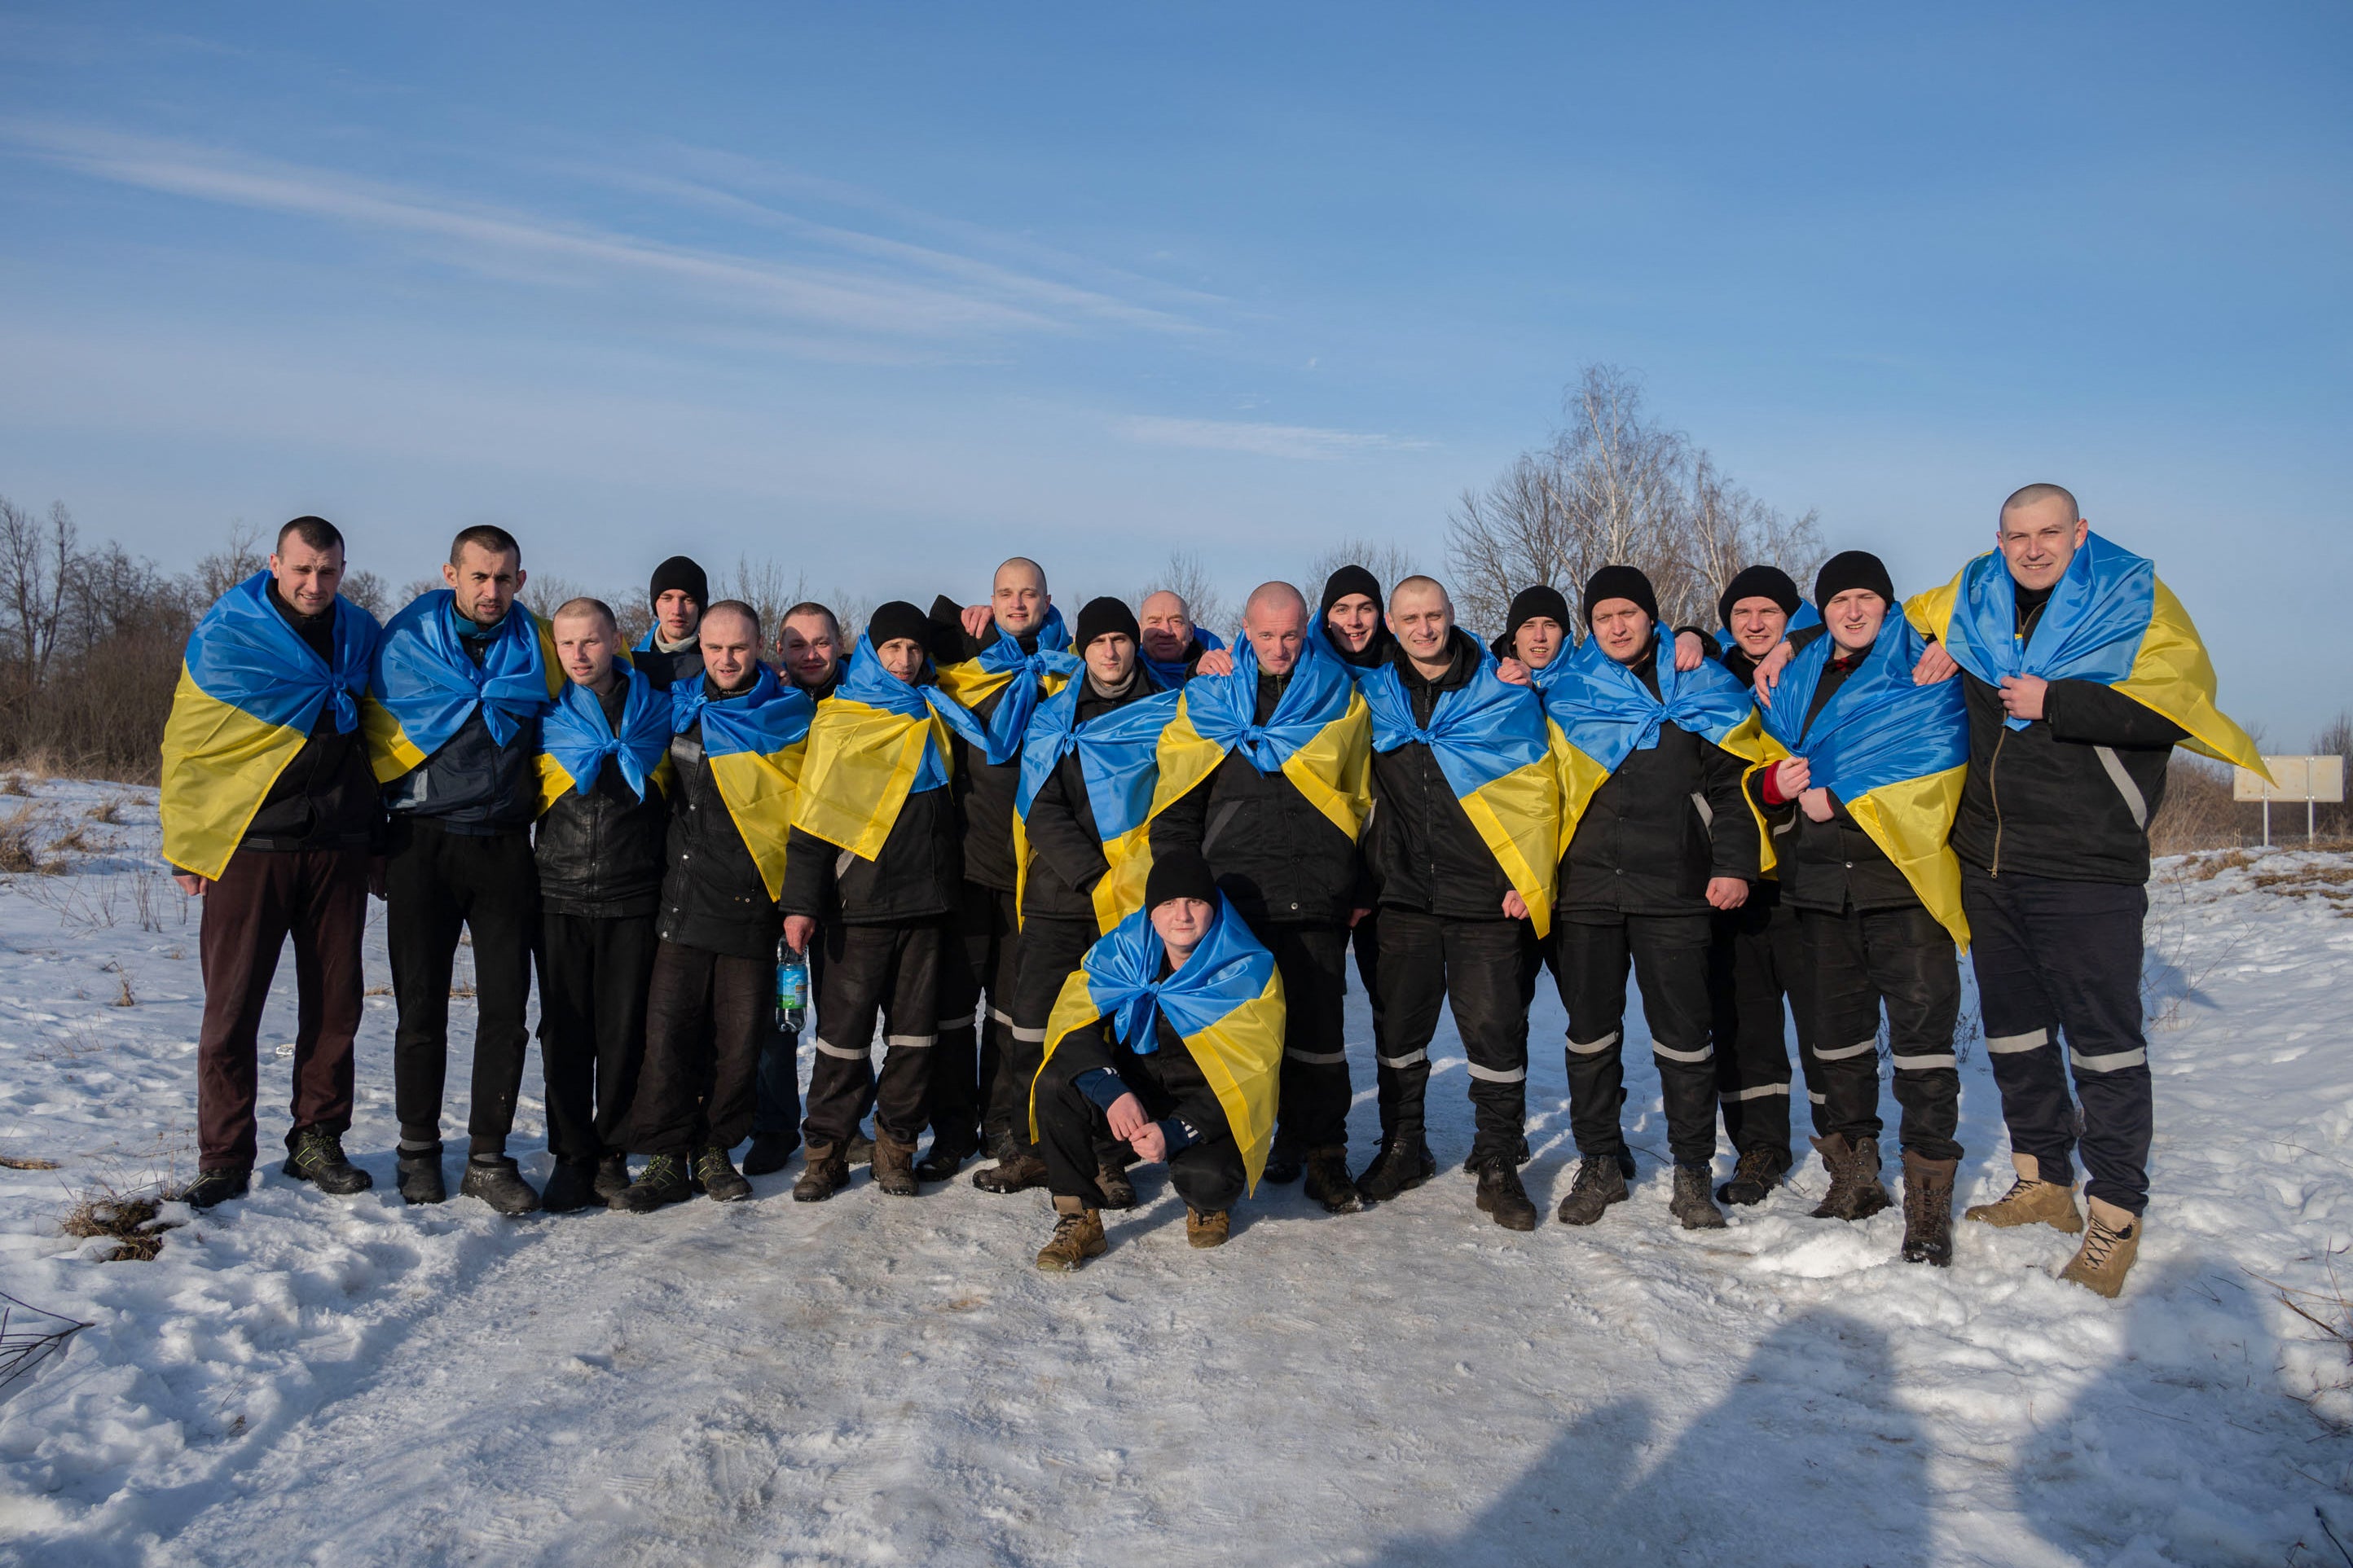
{"x": 792, "y": 987}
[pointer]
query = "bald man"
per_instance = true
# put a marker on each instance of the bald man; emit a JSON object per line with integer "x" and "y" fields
{"x": 1171, "y": 645}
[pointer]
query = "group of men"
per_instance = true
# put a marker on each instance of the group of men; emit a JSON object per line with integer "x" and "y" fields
{"x": 1097, "y": 886}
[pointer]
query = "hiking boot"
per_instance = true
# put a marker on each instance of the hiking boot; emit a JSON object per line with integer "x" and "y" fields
{"x": 216, "y": 1186}
{"x": 1206, "y": 1228}
{"x": 1399, "y": 1167}
{"x": 859, "y": 1150}
{"x": 494, "y": 1179}
{"x": 1855, "y": 1190}
{"x": 825, "y": 1174}
{"x": 895, "y": 1171}
{"x": 1017, "y": 1169}
{"x": 1283, "y": 1164}
{"x": 317, "y": 1157}
{"x": 1755, "y": 1177}
{"x": 1078, "y": 1236}
{"x": 770, "y": 1152}
{"x": 420, "y": 1176}
{"x": 716, "y": 1175}
{"x": 1502, "y": 1195}
{"x": 1600, "y": 1181}
{"x": 1111, "y": 1181}
{"x": 945, "y": 1157}
{"x": 1328, "y": 1182}
{"x": 1471, "y": 1161}
{"x": 1692, "y": 1204}
{"x": 2106, "y": 1256}
{"x": 571, "y": 1186}
{"x": 612, "y": 1176}
{"x": 2031, "y": 1201}
{"x": 1928, "y": 1210}
{"x": 663, "y": 1181}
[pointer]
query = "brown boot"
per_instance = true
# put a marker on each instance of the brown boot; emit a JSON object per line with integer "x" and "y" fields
{"x": 2109, "y": 1247}
{"x": 894, "y": 1166}
{"x": 1078, "y": 1236}
{"x": 825, "y": 1174}
{"x": 1928, "y": 1210}
{"x": 1207, "y": 1228}
{"x": 2031, "y": 1201}
{"x": 1328, "y": 1182}
{"x": 1017, "y": 1169}
{"x": 1855, "y": 1191}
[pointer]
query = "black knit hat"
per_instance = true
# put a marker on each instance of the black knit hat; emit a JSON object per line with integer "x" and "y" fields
{"x": 1853, "y": 568}
{"x": 896, "y": 619}
{"x": 1619, "y": 582}
{"x": 1180, "y": 874}
{"x": 681, "y": 572}
{"x": 1101, "y": 618}
{"x": 1758, "y": 582}
{"x": 1349, "y": 580}
{"x": 1544, "y": 599}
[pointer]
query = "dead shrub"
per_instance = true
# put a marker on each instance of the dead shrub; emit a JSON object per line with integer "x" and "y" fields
{"x": 13, "y": 784}
{"x": 107, "y": 810}
{"x": 2197, "y": 812}
{"x": 129, "y": 1218}
{"x": 16, "y": 851}
{"x": 76, "y": 842}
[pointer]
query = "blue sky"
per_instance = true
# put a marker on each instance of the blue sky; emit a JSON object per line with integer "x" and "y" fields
{"x": 888, "y": 292}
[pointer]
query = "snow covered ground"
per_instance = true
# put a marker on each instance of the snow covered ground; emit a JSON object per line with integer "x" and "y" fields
{"x": 303, "y": 1379}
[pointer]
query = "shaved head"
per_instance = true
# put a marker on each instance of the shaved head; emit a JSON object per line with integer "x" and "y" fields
{"x": 584, "y": 608}
{"x": 1163, "y": 602}
{"x": 733, "y": 609}
{"x": 1274, "y": 598}
{"x": 1275, "y": 621}
{"x": 2033, "y": 495}
{"x": 1020, "y": 569}
{"x": 1414, "y": 587}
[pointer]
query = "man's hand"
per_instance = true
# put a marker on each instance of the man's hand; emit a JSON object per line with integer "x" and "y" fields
{"x": 1355, "y": 915}
{"x": 1935, "y": 665}
{"x": 976, "y": 619}
{"x": 377, "y": 885}
{"x": 1513, "y": 670}
{"x": 1769, "y": 672}
{"x": 1727, "y": 892}
{"x": 798, "y": 928}
{"x": 1690, "y": 652}
{"x": 1816, "y": 805}
{"x": 1132, "y": 1127}
{"x": 192, "y": 884}
{"x": 1217, "y": 661}
{"x": 2022, "y": 695}
{"x": 1790, "y": 777}
{"x": 1515, "y": 907}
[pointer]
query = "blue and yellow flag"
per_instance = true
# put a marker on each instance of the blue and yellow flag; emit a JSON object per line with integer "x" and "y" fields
{"x": 1119, "y": 757}
{"x": 1493, "y": 745}
{"x": 1170, "y": 674}
{"x": 575, "y": 740}
{"x": 756, "y": 742}
{"x": 250, "y": 694}
{"x": 423, "y": 687}
{"x": 2109, "y": 620}
{"x": 1319, "y": 736}
{"x": 1894, "y": 754}
{"x": 876, "y": 741}
{"x": 1807, "y": 615}
{"x": 1601, "y": 713}
{"x": 1026, "y": 679}
{"x": 1224, "y": 1003}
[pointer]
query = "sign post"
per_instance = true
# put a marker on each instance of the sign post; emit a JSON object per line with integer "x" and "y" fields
{"x": 2315, "y": 781}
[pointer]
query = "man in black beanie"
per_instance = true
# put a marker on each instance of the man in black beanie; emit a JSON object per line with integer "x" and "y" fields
{"x": 669, "y": 652}
{"x": 1535, "y": 631}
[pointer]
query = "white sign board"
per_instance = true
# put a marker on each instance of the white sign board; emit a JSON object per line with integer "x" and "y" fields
{"x": 2320, "y": 779}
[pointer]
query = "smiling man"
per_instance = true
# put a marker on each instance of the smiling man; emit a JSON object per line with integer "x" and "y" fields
{"x": 670, "y": 652}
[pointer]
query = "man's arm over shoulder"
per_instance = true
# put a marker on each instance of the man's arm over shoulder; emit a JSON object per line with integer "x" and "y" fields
{"x": 2092, "y": 715}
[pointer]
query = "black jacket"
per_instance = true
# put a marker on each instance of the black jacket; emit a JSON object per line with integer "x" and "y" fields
{"x": 712, "y": 896}
{"x": 1168, "y": 1077}
{"x": 327, "y": 798}
{"x": 1668, "y": 820}
{"x": 472, "y": 785}
{"x": 603, "y": 854}
{"x": 1830, "y": 865}
{"x": 2071, "y": 796}
{"x": 667, "y": 669}
{"x": 1278, "y": 859}
{"x": 1424, "y": 851}
{"x": 984, "y": 791}
{"x": 918, "y": 875}
{"x": 1061, "y": 827}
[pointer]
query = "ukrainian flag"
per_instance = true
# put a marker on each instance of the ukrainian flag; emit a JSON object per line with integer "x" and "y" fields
{"x": 250, "y": 694}
{"x": 1600, "y": 713}
{"x": 2109, "y": 620}
{"x": 1224, "y": 1003}
{"x": 1119, "y": 758}
{"x": 423, "y": 687}
{"x": 1894, "y": 754}
{"x": 1493, "y": 745}
{"x": 1025, "y": 678}
{"x": 755, "y": 742}
{"x": 1169, "y": 674}
{"x": 874, "y": 742}
{"x": 1319, "y": 736}
{"x": 575, "y": 740}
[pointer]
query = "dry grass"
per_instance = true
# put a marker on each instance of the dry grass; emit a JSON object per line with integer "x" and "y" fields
{"x": 125, "y": 997}
{"x": 107, "y": 810}
{"x": 129, "y": 1218}
{"x": 13, "y": 784}
{"x": 16, "y": 851}
{"x": 2197, "y": 812}
{"x": 76, "y": 841}
{"x": 27, "y": 1163}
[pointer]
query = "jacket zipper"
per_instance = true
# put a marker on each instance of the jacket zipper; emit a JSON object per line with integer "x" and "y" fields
{"x": 1993, "y": 791}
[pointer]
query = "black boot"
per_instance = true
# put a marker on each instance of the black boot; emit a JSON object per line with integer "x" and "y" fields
{"x": 1691, "y": 1203}
{"x": 663, "y": 1181}
{"x": 946, "y": 1156}
{"x": 1928, "y": 1210}
{"x": 1755, "y": 1177}
{"x": 1111, "y": 1181}
{"x": 572, "y": 1187}
{"x": 316, "y": 1157}
{"x": 1398, "y": 1166}
{"x": 769, "y": 1151}
{"x": 1502, "y": 1195}
{"x": 716, "y": 1175}
{"x": 612, "y": 1177}
{"x": 1019, "y": 1168}
{"x": 1283, "y": 1163}
{"x": 1328, "y": 1182}
{"x": 494, "y": 1179}
{"x": 1600, "y": 1181}
{"x": 420, "y": 1176}
{"x": 1855, "y": 1191}
{"x": 216, "y": 1186}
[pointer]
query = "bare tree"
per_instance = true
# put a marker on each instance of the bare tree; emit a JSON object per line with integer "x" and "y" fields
{"x": 1388, "y": 562}
{"x": 369, "y": 592}
{"x": 36, "y": 565}
{"x": 1187, "y": 575}
{"x": 764, "y": 585}
{"x": 224, "y": 569}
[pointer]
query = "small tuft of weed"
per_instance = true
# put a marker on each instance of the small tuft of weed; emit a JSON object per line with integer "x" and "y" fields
{"x": 129, "y": 1218}
{"x": 126, "y": 997}
{"x": 16, "y": 850}
{"x": 13, "y": 784}
{"x": 76, "y": 842}
{"x": 107, "y": 810}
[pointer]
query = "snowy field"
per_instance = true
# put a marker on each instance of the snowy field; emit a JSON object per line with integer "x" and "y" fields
{"x": 305, "y": 1379}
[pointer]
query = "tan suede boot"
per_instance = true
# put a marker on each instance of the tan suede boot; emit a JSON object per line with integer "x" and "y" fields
{"x": 1207, "y": 1228}
{"x": 2109, "y": 1247}
{"x": 1078, "y": 1236}
{"x": 2031, "y": 1201}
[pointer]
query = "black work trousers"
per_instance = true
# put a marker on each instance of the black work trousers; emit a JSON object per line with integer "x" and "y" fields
{"x": 707, "y": 1015}
{"x": 1902, "y": 959}
{"x": 2055, "y": 957}
{"x": 1051, "y": 951}
{"x": 1592, "y": 953}
{"x": 1365, "y": 936}
{"x": 594, "y": 976}
{"x": 1474, "y": 967}
{"x": 977, "y": 965}
{"x": 1208, "y": 1174}
{"x": 437, "y": 883}
{"x": 1312, "y": 1093}
{"x": 886, "y": 971}
{"x": 1757, "y": 958}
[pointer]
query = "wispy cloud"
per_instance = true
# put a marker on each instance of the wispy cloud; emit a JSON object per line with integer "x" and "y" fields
{"x": 1297, "y": 441}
